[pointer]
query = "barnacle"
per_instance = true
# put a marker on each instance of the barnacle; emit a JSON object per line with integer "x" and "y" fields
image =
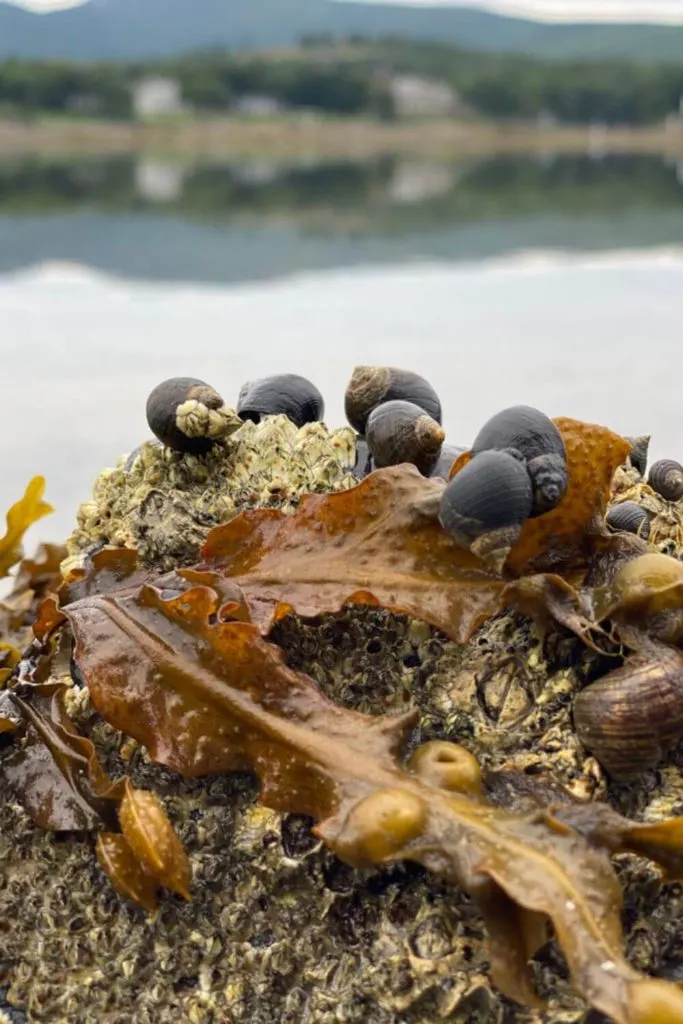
{"x": 164, "y": 503}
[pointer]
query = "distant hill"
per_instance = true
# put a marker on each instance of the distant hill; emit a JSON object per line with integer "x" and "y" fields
{"x": 129, "y": 29}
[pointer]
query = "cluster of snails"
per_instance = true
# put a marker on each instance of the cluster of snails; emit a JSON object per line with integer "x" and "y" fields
{"x": 665, "y": 479}
{"x": 518, "y": 467}
{"x": 518, "y": 471}
{"x": 189, "y": 416}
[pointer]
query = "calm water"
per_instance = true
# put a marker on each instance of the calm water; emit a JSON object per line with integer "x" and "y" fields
{"x": 553, "y": 282}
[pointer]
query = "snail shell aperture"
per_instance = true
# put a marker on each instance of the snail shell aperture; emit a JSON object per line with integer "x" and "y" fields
{"x": 370, "y": 386}
{"x": 398, "y": 432}
{"x": 530, "y": 435}
{"x": 486, "y": 504}
{"x": 629, "y": 517}
{"x": 285, "y": 394}
{"x": 666, "y": 478}
{"x": 188, "y": 415}
{"x": 632, "y": 717}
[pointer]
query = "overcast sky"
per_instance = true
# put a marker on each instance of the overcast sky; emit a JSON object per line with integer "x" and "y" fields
{"x": 567, "y": 10}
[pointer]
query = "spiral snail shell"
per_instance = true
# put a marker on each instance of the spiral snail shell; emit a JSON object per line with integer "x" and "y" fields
{"x": 666, "y": 478}
{"x": 370, "y": 386}
{"x": 398, "y": 432}
{"x": 629, "y": 517}
{"x": 486, "y": 504}
{"x": 632, "y": 717}
{"x": 187, "y": 415}
{"x": 285, "y": 394}
{"x": 531, "y": 436}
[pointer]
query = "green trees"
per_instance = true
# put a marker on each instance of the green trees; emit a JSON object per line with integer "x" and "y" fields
{"x": 354, "y": 78}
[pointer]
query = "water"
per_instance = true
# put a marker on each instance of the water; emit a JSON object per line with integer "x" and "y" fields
{"x": 557, "y": 283}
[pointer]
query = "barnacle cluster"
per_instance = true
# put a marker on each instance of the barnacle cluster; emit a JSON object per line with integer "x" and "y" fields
{"x": 163, "y": 503}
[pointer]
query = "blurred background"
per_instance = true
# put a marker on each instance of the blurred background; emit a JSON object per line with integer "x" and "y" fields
{"x": 489, "y": 194}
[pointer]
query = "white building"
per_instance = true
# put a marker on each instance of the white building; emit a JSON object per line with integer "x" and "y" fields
{"x": 422, "y": 97}
{"x": 157, "y": 97}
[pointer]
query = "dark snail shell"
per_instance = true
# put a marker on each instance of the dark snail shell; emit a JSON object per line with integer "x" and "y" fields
{"x": 363, "y": 465}
{"x": 370, "y": 386}
{"x": 629, "y": 517}
{"x": 447, "y": 456}
{"x": 188, "y": 415}
{"x": 531, "y": 436}
{"x": 285, "y": 394}
{"x": 666, "y": 478}
{"x": 632, "y": 717}
{"x": 398, "y": 432}
{"x": 639, "y": 451}
{"x": 486, "y": 504}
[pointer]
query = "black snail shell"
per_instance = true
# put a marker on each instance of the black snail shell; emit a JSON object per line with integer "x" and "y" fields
{"x": 370, "y": 386}
{"x": 285, "y": 394}
{"x": 398, "y": 432}
{"x": 629, "y": 517}
{"x": 187, "y": 415}
{"x": 531, "y": 436}
{"x": 639, "y": 451}
{"x": 447, "y": 456}
{"x": 363, "y": 465}
{"x": 632, "y": 717}
{"x": 666, "y": 478}
{"x": 486, "y": 504}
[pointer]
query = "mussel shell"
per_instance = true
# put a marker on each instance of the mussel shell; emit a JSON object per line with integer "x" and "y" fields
{"x": 522, "y": 429}
{"x": 629, "y": 517}
{"x": 370, "y": 386}
{"x": 399, "y": 432}
{"x": 447, "y": 456}
{"x": 666, "y": 478}
{"x": 285, "y": 394}
{"x": 491, "y": 492}
{"x": 161, "y": 413}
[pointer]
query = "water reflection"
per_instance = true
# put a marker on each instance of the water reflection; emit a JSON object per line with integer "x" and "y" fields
{"x": 153, "y": 218}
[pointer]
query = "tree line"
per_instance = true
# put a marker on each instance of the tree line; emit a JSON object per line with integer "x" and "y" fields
{"x": 354, "y": 77}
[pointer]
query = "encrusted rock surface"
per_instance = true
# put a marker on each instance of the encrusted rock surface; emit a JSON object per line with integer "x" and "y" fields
{"x": 278, "y": 929}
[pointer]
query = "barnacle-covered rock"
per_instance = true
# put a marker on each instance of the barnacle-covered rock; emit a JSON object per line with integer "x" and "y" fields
{"x": 164, "y": 503}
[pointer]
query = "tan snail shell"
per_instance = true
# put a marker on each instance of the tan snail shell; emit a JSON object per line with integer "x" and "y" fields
{"x": 632, "y": 717}
{"x": 448, "y": 766}
{"x": 371, "y": 386}
{"x": 646, "y": 594}
{"x": 398, "y": 432}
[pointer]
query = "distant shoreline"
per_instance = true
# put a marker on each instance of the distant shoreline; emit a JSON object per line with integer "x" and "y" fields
{"x": 312, "y": 138}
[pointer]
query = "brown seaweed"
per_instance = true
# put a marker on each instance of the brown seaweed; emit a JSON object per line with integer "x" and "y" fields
{"x": 208, "y": 695}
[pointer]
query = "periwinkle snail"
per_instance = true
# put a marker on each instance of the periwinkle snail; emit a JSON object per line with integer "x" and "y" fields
{"x": 448, "y": 766}
{"x": 646, "y": 595}
{"x": 188, "y": 415}
{"x": 639, "y": 452}
{"x": 666, "y": 478}
{"x": 398, "y": 432}
{"x": 632, "y": 717}
{"x": 629, "y": 517}
{"x": 285, "y": 394}
{"x": 370, "y": 386}
{"x": 486, "y": 504}
{"x": 529, "y": 435}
